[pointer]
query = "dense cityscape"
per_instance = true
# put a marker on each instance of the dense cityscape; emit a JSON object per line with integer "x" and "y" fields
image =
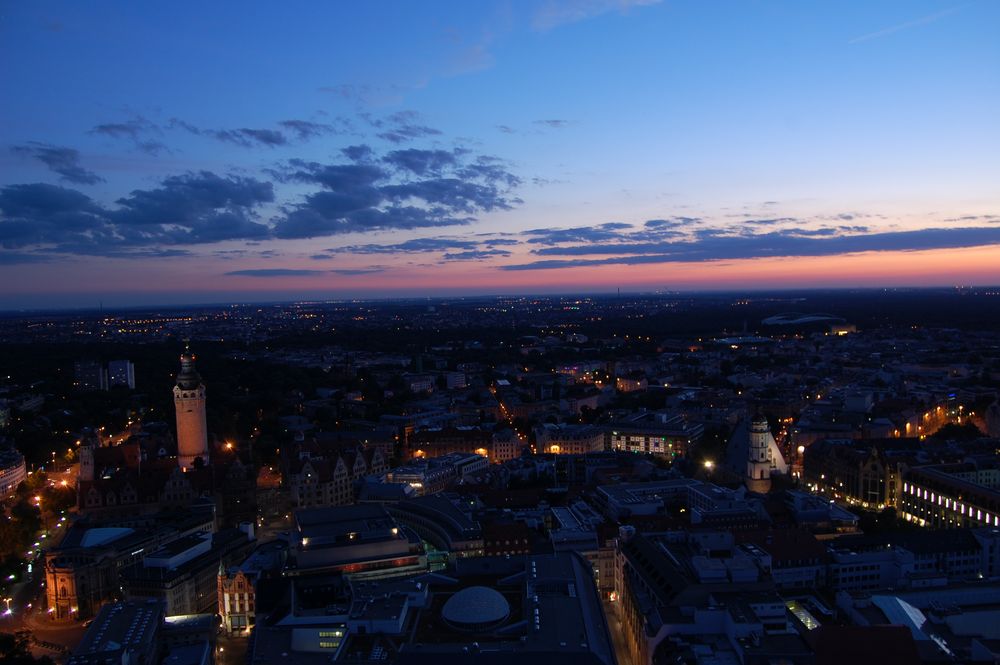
{"x": 503, "y": 332}
{"x": 626, "y": 479}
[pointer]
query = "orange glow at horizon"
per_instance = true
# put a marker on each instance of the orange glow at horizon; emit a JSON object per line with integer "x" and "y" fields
{"x": 939, "y": 267}
{"x": 977, "y": 265}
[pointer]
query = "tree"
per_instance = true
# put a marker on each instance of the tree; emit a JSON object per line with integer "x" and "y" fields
{"x": 14, "y": 650}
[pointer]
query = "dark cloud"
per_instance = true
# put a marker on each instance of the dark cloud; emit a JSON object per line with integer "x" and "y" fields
{"x": 297, "y": 272}
{"x": 476, "y": 255}
{"x": 193, "y": 208}
{"x": 248, "y": 138}
{"x": 401, "y": 127}
{"x": 827, "y": 231}
{"x": 506, "y": 129}
{"x": 416, "y": 245}
{"x": 671, "y": 223}
{"x": 405, "y": 189}
{"x": 769, "y": 222}
{"x": 306, "y": 129}
{"x": 338, "y": 177}
{"x": 312, "y": 219}
{"x": 139, "y": 131}
{"x": 716, "y": 247}
{"x": 452, "y": 195}
{"x": 112, "y": 252}
{"x": 64, "y": 161}
{"x": 973, "y": 218}
{"x": 43, "y": 214}
{"x": 405, "y": 133}
{"x": 489, "y": 169}
{"x": 420, "y": 162}
{"x": 274, "y": 272}
{"x": 599, "y": 233}
{"x": 552, "y": 123}
{"x": 358, "y": 271}
{"x": 358, "y": 153}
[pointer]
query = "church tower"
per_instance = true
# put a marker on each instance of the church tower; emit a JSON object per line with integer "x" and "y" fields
{"x": 86, "y": 461}
{"x": 189, "y": 401}
{"x": 758, "y": 476}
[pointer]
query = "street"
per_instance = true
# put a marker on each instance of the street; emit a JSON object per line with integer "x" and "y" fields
{"x": 617, "y": 634}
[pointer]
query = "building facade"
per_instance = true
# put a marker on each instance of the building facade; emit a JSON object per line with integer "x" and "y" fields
{"x": 12, "y": 471}
{"x": 758, "y": 473}
{"x": 189, "y": 402}
{"x": 941, "y": 496}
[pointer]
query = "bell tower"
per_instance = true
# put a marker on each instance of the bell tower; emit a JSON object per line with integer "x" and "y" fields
{"x": 189, "y": 401}
{"x": 758, "y": 476}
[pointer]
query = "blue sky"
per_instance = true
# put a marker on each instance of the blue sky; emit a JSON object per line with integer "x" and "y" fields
{"x": 200, "y": 152}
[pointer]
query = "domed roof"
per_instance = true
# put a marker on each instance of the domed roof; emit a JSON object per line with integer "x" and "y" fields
{"x": 477, "y": 607}
{"x": 188, "y": 378}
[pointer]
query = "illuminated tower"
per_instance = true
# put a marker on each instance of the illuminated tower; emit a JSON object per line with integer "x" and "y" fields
{"x": 189, "y": 400}
{"x": 758, "y": 477}
{"x": 86, "y": 461}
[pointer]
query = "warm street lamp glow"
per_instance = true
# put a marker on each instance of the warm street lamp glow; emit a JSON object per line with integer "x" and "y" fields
{"x": 709, "y": 464}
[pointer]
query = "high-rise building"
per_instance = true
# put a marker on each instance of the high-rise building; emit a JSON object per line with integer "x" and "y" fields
{"x": 758, "y": 476}
{"x": 189, "y": 401}
{"x": 90, "y": 375}
{"x": 121, "y": 373}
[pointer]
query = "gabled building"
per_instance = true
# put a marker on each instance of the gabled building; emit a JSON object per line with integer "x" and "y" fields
{"x": 317, "y": 478}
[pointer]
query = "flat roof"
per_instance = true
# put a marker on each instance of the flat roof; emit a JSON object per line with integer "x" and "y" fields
{"x": 119, "y": 627}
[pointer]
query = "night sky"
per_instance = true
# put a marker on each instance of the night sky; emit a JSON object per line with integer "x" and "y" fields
{"x": 215, "y": 151}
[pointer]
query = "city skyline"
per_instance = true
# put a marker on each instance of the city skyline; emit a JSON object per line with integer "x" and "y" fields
{"x": 152, "y": 155}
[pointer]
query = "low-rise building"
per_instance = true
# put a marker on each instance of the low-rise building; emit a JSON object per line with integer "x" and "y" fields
{"x": 569, "y": 439}
{"x": 12, "y": 471}
{"x": 653, "y": 433}
{"x": 183, "y": 573}
{"x": 83, "y": 572}
{"x": 359, "y": 541}
{"x": 944, "y": 496}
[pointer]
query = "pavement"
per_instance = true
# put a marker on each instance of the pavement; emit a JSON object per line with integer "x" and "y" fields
{"x": 231, "y": 650}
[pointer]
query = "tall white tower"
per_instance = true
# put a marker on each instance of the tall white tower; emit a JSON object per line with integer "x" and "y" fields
{"x": 189, "y": 401}
{"x": 758, "y": 476}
